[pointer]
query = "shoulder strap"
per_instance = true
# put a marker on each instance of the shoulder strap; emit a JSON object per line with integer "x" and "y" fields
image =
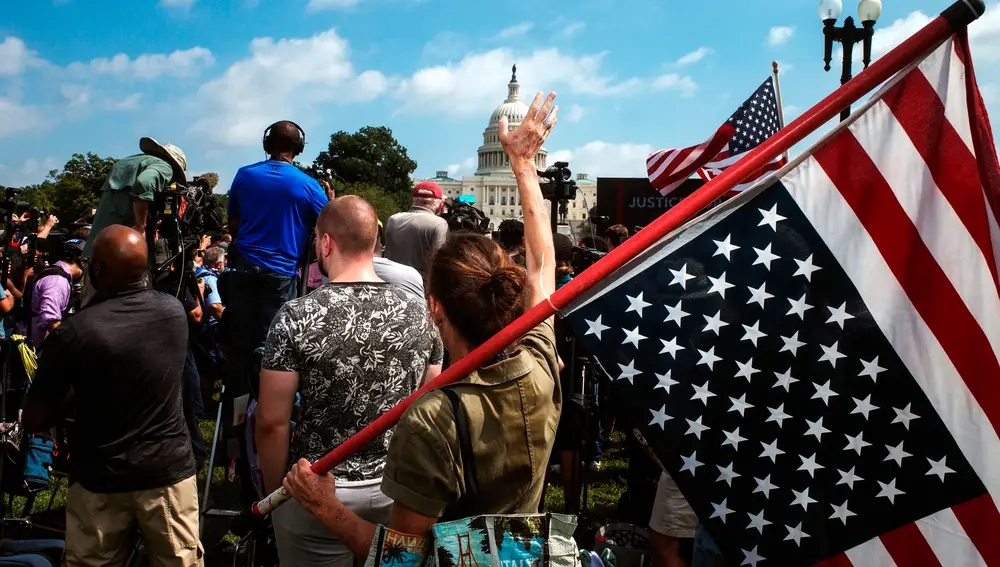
{"x": 29, "y": 290}
{"x": 465, "y": 446}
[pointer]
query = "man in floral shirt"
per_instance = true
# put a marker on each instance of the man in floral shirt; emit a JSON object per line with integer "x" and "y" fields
{"x": 353, "y": 349}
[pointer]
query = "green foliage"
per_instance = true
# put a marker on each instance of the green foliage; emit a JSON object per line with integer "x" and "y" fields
{"x": 75, "y": 190}
{"x": 385, "y": 205}
{"x": 371, "y": 156}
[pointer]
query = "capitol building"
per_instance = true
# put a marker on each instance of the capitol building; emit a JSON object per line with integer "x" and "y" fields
{"x": 493, "y": 188}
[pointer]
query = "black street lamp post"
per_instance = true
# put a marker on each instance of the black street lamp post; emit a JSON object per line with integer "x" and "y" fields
{"x": 848, "y": 35}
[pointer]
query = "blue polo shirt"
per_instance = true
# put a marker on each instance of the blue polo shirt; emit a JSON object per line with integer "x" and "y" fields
{"x": 276, "y": 205}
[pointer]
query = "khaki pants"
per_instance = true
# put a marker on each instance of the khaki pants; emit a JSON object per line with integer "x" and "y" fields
{"x": 99, "y": 526}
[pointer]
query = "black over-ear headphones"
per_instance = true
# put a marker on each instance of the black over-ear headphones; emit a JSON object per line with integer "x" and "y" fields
{"x": 300, "y": 145}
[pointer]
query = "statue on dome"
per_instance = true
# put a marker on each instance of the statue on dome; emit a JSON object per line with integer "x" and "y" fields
{"x": 513, "y": 74}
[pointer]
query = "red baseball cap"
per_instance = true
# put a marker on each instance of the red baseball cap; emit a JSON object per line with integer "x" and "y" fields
{"x": 427, "y": 190}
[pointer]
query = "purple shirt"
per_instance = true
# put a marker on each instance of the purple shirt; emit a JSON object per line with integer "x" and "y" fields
{"x": 49, "y": 299}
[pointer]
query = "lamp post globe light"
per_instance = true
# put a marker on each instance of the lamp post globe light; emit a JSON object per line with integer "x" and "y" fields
{"x": 848, "y": 35}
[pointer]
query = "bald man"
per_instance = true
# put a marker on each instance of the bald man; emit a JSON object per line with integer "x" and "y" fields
{"x": 132, "y": 465}
{"x": 353, "y": 348}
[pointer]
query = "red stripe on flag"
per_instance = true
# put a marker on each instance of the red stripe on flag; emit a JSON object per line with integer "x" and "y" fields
{"x": 979, "y": 518}
{"x": 925, "y": 283}
{"x": 908, "y": 548}
{"x": 920, "y": 112}
{"x": 702, "y": 154}
{"x": 982, "y": 134}
{"x": 836, "y": 561}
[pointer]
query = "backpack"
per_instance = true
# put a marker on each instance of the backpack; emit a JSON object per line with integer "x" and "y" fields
{"x": 27, "y": 312}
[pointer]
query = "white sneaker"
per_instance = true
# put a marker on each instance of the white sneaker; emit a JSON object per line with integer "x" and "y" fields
{"x": 594, "y": 466}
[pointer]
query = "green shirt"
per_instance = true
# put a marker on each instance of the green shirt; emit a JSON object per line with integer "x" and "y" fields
{"x": 132, "y": 178}
{"x": 513, "y": 410}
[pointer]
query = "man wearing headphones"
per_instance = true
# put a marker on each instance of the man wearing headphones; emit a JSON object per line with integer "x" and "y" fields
{"x": 272, "y": 207}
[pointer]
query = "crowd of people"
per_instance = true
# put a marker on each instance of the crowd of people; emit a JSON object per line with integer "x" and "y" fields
{"x": 387, "y": 307}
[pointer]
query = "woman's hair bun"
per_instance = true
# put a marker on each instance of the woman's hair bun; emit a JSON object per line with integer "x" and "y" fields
{"x": 505, "y": 284}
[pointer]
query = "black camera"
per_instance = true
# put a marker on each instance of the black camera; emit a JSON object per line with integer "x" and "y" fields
{"x": 463, "y": 217}
{"x": 188, "y": 211}
{"x": 559, "y": 185}
{"x": 319, "y": 173}
{"x": 584, "y": 258}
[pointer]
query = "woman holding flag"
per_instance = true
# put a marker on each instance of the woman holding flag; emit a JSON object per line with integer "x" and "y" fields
{"x": 464, "y": 450}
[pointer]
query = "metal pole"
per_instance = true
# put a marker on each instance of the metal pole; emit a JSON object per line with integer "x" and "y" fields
{"x": 930, "y": 37}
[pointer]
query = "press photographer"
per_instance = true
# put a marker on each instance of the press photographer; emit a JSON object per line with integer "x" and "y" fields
{"x": 131, "y": 189}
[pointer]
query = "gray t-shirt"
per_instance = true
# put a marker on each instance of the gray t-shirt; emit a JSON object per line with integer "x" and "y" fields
{"x": 412, "y": 237}
{"x": 359, "y": 349}
{"x": 398, "y": 274}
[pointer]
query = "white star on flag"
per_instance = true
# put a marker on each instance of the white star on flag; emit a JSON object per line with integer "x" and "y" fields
{"x": 636, "y": 304}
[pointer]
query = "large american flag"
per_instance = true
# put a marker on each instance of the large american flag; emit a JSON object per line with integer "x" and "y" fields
{"x": 817, "y": 359}
{"x": 754, "y": 121}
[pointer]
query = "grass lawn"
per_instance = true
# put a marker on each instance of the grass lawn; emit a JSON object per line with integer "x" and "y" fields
{"x": 605, "y": 488}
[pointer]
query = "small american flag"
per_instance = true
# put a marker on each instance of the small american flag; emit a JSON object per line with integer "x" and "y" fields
{"x": 816, "y": 360}
{"x": 754, "y": 121}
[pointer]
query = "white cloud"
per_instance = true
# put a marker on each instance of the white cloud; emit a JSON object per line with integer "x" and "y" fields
{"x": 888, "y": 37}
{"x": 475, "y": 84}
{"x": 180, "y": 63}
{"x": 131, "y": 102}
{"x": 693, "y": 57}
{"x": 75, "y": 95}
{"x": 457, "y": 170}
{"x": 572, "y": 29}
{"x": 444, "y": 45}
{"x": 31, "y": 171}
{"x": 516, "y": 30}
{"x": 984, "y": 34}
{"x": 606, "y": 159}
{"x": 16, "y": 118}
{"x": 673, "y": 82}
{"x": 320, "y": 5}
{"x": 779, "y": 35}
{"x": 178, "y": 4}
{"x": 278, "y": 76}
{"x": 575, "y": 113}
{"x": 14, "y": 56}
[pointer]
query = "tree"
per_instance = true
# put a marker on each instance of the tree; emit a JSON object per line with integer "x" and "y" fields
{"x": 75, "y": 190}
{"x": 371, "y": 156}
{"x": 385, "y": 206}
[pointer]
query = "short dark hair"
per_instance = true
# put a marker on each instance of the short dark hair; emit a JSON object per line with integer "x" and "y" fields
{"x": 284, "y": 137}
{"x": 616, "y": 234}
{"x": 510, "y": 235}
{"x": 595, "y": 242}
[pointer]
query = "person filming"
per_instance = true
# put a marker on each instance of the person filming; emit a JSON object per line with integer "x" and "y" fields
{"x": 475, "y": 290}
{"x": 132, "y": 186}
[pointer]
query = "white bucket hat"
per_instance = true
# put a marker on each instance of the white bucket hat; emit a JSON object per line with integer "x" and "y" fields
{"x": 169, "y": 152}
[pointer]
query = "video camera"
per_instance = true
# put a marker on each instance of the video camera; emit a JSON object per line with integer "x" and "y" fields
{"x": 319, "y": 173}
{"x": 463, "y": 217}
{"x": 188, "y": 211}
{"x": 584, "y": 258}
{"x": 20, "y": 226}
{"x": 560, "y": 185}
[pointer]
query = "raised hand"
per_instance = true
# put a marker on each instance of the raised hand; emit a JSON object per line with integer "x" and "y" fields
{"x": 523, "y": 142}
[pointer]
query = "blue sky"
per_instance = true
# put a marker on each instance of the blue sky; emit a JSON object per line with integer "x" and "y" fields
{"x": 210, "y": 75}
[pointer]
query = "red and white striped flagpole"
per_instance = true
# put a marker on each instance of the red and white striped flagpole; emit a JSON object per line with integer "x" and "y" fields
{"x": 956, "y": 17}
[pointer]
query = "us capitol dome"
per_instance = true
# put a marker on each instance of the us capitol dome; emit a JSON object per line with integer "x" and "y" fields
{"x": 492, "y": 187}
